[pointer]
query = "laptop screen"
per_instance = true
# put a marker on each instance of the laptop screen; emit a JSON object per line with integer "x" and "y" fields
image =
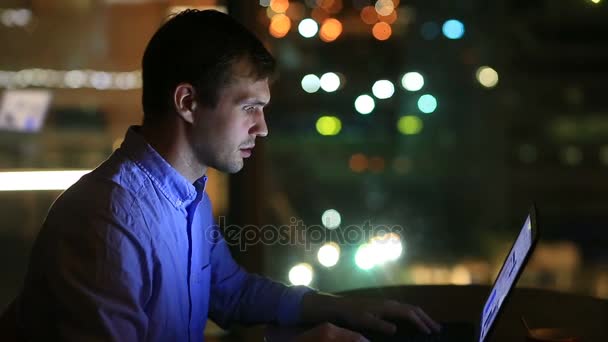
{"x": 506, "y": 279}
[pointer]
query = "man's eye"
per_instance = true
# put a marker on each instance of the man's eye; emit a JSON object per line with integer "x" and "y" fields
{"x": 250, "y": 109}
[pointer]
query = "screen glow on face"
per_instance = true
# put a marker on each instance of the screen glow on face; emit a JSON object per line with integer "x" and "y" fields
{"x": 506, "y": 278}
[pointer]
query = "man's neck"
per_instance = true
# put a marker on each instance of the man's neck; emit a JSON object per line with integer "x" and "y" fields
{"x": 170, "y": 141}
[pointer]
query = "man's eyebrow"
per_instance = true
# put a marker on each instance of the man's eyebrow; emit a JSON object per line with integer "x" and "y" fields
{"x": 257, "y": 102}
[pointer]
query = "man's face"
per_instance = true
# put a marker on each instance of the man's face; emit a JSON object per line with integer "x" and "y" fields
{"x": 223, "y": 136}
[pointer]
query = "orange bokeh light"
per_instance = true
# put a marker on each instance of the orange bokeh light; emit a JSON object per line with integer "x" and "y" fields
{"x": 296, "y": 11}
{"x": 279, "y": 6}
{"x": 382, "y": 31}
{"x": 376, "y": 164}
{"x": 331, "y": 6}
{"x": 319, "y": 14}
{"x": 279, "y": 25}
{"x": 330, "y": 30}
{"x": 369, "y": 15}
{"x": 389, "y": 19}
{"x": 358, "y": 162}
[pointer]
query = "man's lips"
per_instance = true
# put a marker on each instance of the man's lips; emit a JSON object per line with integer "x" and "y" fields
{"x": 247, "y": 151}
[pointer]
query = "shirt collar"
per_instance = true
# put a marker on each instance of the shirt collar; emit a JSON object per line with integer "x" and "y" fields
{"x": 176, "y": 188}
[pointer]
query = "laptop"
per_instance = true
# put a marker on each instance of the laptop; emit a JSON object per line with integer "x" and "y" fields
{"x": 506, "y": 280}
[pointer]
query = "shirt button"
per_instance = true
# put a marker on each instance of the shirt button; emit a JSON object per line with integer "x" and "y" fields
{"x": 178, "y": 202}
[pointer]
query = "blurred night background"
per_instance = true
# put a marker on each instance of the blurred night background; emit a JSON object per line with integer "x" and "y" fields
{"x": 444, "y": 118}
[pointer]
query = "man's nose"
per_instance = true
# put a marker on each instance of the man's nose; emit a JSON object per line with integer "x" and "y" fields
{"x": 260, "y": 128}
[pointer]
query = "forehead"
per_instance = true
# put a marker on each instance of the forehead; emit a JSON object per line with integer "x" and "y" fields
{"x": 241, "y": 88}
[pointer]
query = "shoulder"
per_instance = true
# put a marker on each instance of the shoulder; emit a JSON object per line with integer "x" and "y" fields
{"x": 106, "y": 198}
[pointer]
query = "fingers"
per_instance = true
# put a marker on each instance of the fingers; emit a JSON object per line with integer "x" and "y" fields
{"x": 436, "y": 327}
{"x": 411, "y": 313}
{"x": 371, "y": 322}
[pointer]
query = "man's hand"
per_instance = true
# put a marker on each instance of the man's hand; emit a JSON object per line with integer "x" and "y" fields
{"x": 364, "y": 314}
{"x": 328, "y": 332}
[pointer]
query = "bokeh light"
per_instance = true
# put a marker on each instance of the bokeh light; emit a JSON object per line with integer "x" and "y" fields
{"x": 383, "y": 89}
{"x": 329, "y": 125}
{"x": 101, "y": 80}
{"x": 427, "y": 103}
{"x": 75, "y": 78}
{"x": 453, "y": 29}
{"x": 330, "y": 82}
{"x": 279, "y": 6}
{"x": 461, "y": 275}
{"x": 279, "y": 25}
{"x": 319, "y": 14}
{"x": 329, "y": 254}
{"x": 331, "y": 219}
{"x": 387, "y": 247}
{"x": 389, "y": 19}
{"x": 364, "y": 257}
{"x": 402, "y": 165}
{"x": 301, "y": 274}
{"x": 382, "y": 31}
{"x": 412, "y": 81}
{"x": 358, "y": 162}
{"x": 365, "y": 104}
{"x": 376, "y": 164}
{"x": 384, "y": 7}
{"x": 487, "y": 76}
{"x": 296, "y": 11}
{"x": 369, "y": 15}
{"x": 331, "y": 6}
{"x": 308, "y": 28}
{"x": 409, "y": 125}
{"x": 331, "y": 29}
{"x": 311, "y": 83}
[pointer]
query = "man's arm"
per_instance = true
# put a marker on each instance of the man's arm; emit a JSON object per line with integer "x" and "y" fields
{"x": 238, "y": 296}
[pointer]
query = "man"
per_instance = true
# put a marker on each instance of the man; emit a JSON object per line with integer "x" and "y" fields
{"x": 131, "y": 251}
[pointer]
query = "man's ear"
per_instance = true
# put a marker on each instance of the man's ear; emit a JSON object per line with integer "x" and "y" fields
{"x": 184, "y": 100}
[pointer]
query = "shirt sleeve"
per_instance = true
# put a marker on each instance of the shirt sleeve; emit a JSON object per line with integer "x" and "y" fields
{"x": 239, "y": 296}
{"x": 96, "y": 276}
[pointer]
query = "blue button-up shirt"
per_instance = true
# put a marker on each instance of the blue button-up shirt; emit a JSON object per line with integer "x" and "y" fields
{"x": 131, "y": 253}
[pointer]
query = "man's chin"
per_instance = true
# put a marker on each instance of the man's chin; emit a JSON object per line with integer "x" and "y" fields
{"x": 232, "y": 168}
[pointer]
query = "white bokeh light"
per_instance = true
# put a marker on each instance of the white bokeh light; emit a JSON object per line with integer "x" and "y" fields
{"x": 384, "y": 7}
{"x": 383, "y": 89}
{"x": 412, "y": 81}
{"x": 75, "y": 79}
{"x": 101, "y": 80}
{"x": 329, "y": 254}
{"x": 331, "y": 219}
{"x": 364, "y": 258}
{"x": 311, "y": 83}
{"x": 330, "y": 82}
{"x": 487, "y": 76}
{"x": 308, "y": 28}
{"x": 387, "y": 247}
{"x": 365, "y": 104}
{"x": 301, "y": 274}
